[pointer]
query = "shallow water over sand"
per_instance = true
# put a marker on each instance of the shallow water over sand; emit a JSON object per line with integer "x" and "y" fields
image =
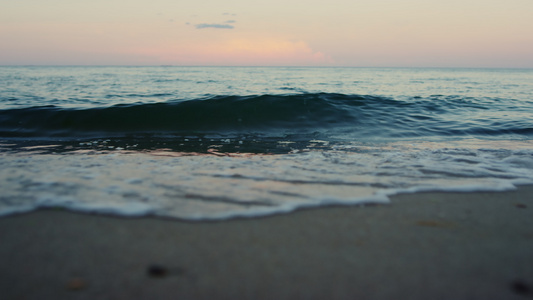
{"x": 220, "y": 185}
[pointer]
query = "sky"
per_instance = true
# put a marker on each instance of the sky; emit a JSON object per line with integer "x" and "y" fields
{"x": 358, "y": 33}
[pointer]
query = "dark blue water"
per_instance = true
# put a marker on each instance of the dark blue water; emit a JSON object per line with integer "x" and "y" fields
{"x": 333, "y": 104}
{"x": 326, "y": 115}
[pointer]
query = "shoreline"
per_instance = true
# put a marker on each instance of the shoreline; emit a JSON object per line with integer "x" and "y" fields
{"x": 428, "y": 245}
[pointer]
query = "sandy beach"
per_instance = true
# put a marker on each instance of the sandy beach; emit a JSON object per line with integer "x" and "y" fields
{"x": 421, "y": 246}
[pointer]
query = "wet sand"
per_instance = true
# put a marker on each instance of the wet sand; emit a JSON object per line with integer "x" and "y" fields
{"x": 421, "y": 246}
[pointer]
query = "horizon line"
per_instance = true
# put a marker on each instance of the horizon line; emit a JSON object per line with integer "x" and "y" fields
{"x": 261, "y": 66}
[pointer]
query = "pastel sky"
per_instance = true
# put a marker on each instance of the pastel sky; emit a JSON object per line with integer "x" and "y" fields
{"x": 391, "y": 33}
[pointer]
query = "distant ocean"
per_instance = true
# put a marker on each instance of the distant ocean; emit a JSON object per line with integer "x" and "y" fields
{"x": 206, "y": 143}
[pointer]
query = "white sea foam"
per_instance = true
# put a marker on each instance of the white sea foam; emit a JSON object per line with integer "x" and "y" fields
{"x": 208, "y": 187}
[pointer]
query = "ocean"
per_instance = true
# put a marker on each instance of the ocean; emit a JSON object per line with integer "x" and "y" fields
{"x": 212, "y": 143}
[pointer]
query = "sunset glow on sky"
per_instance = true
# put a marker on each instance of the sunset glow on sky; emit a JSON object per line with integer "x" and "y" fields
{"x": 380, "y": 33}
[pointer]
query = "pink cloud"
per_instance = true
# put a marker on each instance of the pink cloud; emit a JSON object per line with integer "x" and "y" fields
{"x": 255, "y": 51}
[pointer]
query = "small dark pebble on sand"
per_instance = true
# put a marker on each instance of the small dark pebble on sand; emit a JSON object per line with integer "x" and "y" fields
{"x": 157, "y": 271}
{"x": 521, "y": 288}
{"x": 76, "y": 284}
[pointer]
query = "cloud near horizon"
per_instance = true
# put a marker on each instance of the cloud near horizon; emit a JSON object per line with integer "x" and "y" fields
{"x": 217, "y": 26}
{"x": 242, "y": 51}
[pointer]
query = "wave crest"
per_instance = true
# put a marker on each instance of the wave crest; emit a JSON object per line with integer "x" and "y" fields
{"x": 331, "y": 115}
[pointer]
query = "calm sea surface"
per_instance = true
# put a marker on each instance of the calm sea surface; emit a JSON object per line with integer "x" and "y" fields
{"x": 220, "y": 142}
